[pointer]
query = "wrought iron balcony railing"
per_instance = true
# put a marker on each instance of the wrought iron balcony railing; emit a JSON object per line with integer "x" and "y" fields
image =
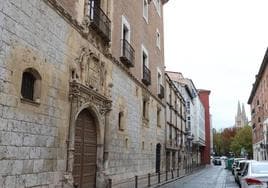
{"x": 146, "y": 75}
{"x": 161, "y": 92}
{"x": 128, "y": 53}
{"x": 99, "y": 20}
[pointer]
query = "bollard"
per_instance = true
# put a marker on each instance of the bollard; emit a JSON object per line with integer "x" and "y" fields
{"x": 149, "y": 179}
{"x": 158, "y": 177}
{"x": 178, "y": 172}
{"x": 166, "y": 175}
{"x": 110, "y": 183}
{"x": 172, "y": 175}
{"x": 136, "y": 181}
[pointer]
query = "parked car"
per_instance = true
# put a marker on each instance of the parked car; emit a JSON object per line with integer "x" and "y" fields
{"x": 254, "y": 175}
{"x": 239, "y": 169}
{"x": 223, "y": 157}
{"x": 217, "y": 161}
{"x": 235, "y": 163}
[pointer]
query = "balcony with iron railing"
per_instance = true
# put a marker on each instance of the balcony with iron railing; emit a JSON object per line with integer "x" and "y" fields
{"x": 146, "y": 79}
{"x": 161, "y": 91}
{"x": 99, "y": 21}
{"x": 128, "y": 53}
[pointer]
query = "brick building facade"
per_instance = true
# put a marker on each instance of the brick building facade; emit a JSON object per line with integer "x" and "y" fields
{"x": 204, "y": 97}
{"x": 258, "y": 102}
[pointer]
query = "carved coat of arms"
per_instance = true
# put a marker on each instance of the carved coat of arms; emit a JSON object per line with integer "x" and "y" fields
{"x": 89, "y": 70}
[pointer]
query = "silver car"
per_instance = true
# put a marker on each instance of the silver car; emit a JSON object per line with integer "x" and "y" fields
{"x": 254, "y": 175}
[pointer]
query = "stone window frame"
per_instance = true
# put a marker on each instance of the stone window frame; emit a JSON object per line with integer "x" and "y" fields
{"x": 121, "y": 121}
{"x": 158, "y": 119}
{"x": 142, "y": 145}
{"x": 145, "y": 5}
{"x": 145, "y": 110}
{"x": 87, "y": 7}
{"x": 158, "y": 39}
{"x": 126, "y": 24}
{"x": 157, "y": 4}
{"x": 144, "y": 51}
{"x": 126, "y": 143}
{"x": 36, "y": 95}
{"x": 159, "y": 82}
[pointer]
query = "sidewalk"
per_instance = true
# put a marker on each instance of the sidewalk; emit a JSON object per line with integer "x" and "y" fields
{"x": 155, "y": 180}
{"x": 182, "y": 176}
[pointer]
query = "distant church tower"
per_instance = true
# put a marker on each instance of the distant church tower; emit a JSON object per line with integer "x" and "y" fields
{"x": 241, "y": 119}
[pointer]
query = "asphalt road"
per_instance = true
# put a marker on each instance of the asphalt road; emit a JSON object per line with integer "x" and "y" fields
{"x": 211, "y": 177}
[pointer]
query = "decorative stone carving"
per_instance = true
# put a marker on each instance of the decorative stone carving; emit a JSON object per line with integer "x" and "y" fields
{"x": 86, "y": 24}
{"x": 83, "y": 94}
{"x": 89, "y": 70}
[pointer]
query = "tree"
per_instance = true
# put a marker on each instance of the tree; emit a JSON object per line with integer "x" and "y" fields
{"x": 228, "y": 135}
{"x": 222, "y": 141}
{"x": 242, "y": 141}
{"x": 217, "y": 141}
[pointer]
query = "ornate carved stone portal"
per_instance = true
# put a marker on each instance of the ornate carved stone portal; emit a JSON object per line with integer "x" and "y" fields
{"x": 87, "y": 88}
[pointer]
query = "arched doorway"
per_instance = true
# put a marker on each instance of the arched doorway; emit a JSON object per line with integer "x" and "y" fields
{"x": 158, "y": 157}
{"x": 85, "y": 145}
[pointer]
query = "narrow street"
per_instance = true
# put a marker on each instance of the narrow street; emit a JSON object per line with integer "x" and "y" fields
{"x": 211, "y": 177}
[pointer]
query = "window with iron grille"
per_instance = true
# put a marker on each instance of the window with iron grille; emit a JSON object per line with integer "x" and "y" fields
{"x": 31, "y": 85}
{"x": 27, "y": 88}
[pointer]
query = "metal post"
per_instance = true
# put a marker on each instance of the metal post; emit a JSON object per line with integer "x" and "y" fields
{"x": 149, "y": 179}
{"x": 158, "y": 177}
{"x": 172, "y": 175}
{"x": 110, "y": 183}
{"x": 136, "y": 181}
{"x": 166, "y": 175}
{"x": 178, "y": 172}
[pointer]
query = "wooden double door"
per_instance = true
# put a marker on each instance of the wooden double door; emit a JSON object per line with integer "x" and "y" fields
{"x": 84, "y": 168}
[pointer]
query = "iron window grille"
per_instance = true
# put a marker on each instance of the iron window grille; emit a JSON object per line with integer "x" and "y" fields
{"x": 27, "y": 88}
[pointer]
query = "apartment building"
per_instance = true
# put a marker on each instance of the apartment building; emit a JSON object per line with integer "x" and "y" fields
{"x": 258, "y": 101}
{"x": 195, "y": 117}
{"x": 204, "y": 98}
{"x": 176, "y": 151}
{"x": 82, "y": 96}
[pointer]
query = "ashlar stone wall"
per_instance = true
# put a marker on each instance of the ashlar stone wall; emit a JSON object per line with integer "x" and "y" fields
{"x": 132, "y": 151}
{"x": 33, "y": 135}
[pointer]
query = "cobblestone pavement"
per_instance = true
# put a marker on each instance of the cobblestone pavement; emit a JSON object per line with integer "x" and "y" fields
{"x": 211, "y": 177}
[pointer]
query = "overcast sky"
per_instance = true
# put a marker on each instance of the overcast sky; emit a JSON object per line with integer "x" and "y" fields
{"x": 220, "y": 45}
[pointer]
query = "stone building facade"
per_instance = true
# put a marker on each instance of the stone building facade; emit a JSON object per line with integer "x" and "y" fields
{"x": 76, "y": 106}
{"x": 137, "y": 147}
{"x": 195, "y": 117}
{"x": 176, "y": 151}
{"x": 258, "y": 101}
